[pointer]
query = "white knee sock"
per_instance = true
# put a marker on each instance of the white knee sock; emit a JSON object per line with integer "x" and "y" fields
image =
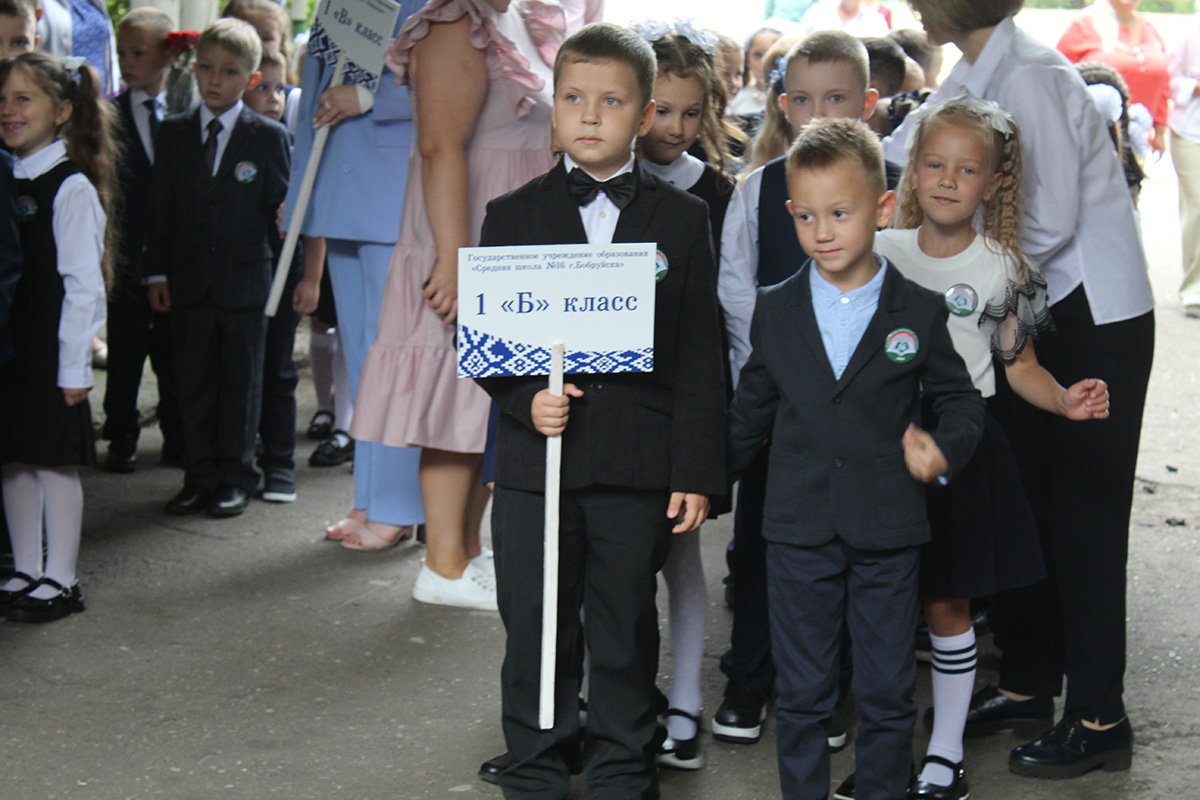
{"x": 320, "y": 355}
{"x": 64, "y": 519}
{"x": 343, "y": 403}
{"x": 953, "y": 681}
{"x": 23, "y": 509}
{"x": 684, "y": 574}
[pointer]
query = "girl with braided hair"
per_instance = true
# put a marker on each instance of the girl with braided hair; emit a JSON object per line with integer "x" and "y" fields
{"x": 965, "y": 164}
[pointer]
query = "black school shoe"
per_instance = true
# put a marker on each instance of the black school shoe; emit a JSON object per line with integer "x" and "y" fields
{"x": 992, "y": 711}
{"x": 190, "y": 500}
{"x": 32, "y": 609}
{"x": 329, "y": 454}
{"x": 740, "y": 716}
{"x": 957, "y": 790}
{"x": 228, "y": 501}
{"x": 7, "y": 597}
{"x": 490, "y": 770}
{"x": 1070, "y": 749}
{"x": 681, "y": 753}
{"x": 122, "y": 458}
{"x": 320, "y": 427}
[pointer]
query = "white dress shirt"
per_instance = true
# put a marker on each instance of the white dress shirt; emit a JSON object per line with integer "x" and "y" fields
{"x": 683, "y": 172}
{"x": 1079, "y": 223}
{"x": 599, "y": 216}
{"x": 737, "y": 274}
{"x": 79, "y": 239}
{"x": 228, "y": 120}
{"x": 1184, "y": 64}
{"x": 141, "y": 116}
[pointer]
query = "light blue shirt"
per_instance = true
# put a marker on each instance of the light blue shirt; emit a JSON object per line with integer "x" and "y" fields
{"x": 842, "y": 317}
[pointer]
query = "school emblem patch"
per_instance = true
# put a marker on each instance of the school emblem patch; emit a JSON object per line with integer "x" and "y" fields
{"x": 962, "y": 300}
{"x": 26, "y": 208}
{"x": 245, "y": 171}
{"x": 901, "y": 346}
{"x": 660, "y": 266}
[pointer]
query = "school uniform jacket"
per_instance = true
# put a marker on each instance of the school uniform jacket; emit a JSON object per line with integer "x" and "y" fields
{"x": 658, "y": 430}
{"x": 836, "y": 460}
{"x": 210, "y": 234}
{"x": 11, "y": 261}
{"x": 134, "y": 180}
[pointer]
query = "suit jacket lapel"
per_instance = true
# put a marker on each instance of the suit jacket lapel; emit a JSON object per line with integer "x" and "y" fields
{"x": 805, "y": 321}
{"x": 635, "y": 218}
{"x": 559, "y": 215}
{"x": 239, "y": 137}
{"x": 891, "y": 298}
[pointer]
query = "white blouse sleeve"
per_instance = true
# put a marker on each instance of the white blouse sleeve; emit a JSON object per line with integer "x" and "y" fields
{"x": 1183, "y": 69}
{"x": 79, "y": 239}
{"x": 737, "y": 275}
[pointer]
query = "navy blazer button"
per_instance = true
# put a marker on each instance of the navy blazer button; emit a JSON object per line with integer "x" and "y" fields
{"x": 839, "y": 463}
{"x": 837, "y": 400}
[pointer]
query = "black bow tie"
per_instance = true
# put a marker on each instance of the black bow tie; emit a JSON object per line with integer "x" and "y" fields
{"x": 584, "y": 188}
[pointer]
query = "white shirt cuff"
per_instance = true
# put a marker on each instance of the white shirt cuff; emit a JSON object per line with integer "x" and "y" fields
{"x": 155, "y": 279}
{"x": 366, "y": 98}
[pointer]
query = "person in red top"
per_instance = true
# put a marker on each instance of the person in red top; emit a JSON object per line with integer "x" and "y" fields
{"x": 1114, "y": 33}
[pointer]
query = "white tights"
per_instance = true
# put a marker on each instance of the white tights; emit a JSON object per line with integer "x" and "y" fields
{"x": 37, "y": 495}
{"x": 684, "y": 574}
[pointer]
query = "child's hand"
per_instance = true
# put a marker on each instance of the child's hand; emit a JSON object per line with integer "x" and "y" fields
{"x": 695, "y": 511}
{"x": 922, "y": 456}
{"x": 550, "y": 411}
{"x": 160, "y": 297}
{"x": 306, "y": 296}
{"x": 1087, "y": 399}
{"x": 441, "y": 292}
{"x": 74, "y": 397}
{"x": 335, "y": 104}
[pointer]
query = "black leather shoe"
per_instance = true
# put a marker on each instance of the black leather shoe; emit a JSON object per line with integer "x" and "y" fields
{"x": 190, "y": 500}
{"x": 845, "y": 789}
{"x": 31, "y": 609}
{"x": 329, "y": 454}
{"x": 1070, "y": 749}
{"x": 121, "y": 460}
{"x": 228, "y": 501}
{"x": 992, "y": 711}
{"x": 681, "y": 753}
{"x": 321, "y": 428}
{"x": 957, "y": 790}
{"x": 7, "y": 597}
{"x": 490, "y": 770}
{"x": 740, "y": 716}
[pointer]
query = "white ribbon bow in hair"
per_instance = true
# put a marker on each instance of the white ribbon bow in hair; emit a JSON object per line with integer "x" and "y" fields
{"x": 653, "y": 30}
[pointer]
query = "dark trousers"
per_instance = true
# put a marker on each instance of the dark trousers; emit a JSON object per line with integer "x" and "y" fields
{"x": 1079, "y": 477}
{"x": 613, "y": 543}
{"x": 218, "y": 374}
{"x": 277, "y": 424}
{"x": 135, "y": 332}
{"x": 814, "y": 592}
{"x": 748, "y": 662}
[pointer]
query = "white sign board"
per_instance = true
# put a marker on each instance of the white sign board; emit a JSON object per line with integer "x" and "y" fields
{"x": 515, "y": 302}
{"x": 358, "y": 30}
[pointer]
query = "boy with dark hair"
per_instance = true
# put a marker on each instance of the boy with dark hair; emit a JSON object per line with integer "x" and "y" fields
{"x": 622, "y": 495}
{"x": 886, "y": 61}
{"x": 916, "y": 45}
{"x": 845, "y": 506}
{"x": 218, "y": 181}
{"x": 18, "y": 26}
{"x": 134, "y": 330}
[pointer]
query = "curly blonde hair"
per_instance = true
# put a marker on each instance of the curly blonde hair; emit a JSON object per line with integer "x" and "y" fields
{"x": 1002, "y": 213}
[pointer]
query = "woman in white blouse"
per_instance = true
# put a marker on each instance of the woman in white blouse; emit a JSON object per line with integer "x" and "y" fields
{"x": 1079, "y": 226}
{"x": 1184, "y": 121}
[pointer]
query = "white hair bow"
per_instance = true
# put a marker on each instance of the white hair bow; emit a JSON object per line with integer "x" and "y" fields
{"x": 653, "y": 30}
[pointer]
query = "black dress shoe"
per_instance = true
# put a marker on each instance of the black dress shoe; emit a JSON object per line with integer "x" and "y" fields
{"x": 681, "y": 753}
{"x": 321, "y": 426}
{"x": 330, "y": 454}
{"x": 190, "y": 500}
{"x": 957, "y": 790}
{"x": 8, "y": 596}
{"x": 991, "y": 711}
{"x": 490, "y": 770}
{"x": 740, "y": 716}
{"x": 1070, "y": 749}
{"x": 32, "y": 609}
{"x": 845, "y": 789}
{"x": 228, "y": 501}
{"x": 120, "y": 460}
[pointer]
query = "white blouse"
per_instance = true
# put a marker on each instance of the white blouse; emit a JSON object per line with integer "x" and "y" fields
{"x": 1079, "y": 223}
{"x": 1184, "y": 64}
{"x": 79, "y": 239}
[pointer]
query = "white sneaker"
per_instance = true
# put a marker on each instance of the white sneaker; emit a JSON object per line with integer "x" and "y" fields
{"x": 475, "y": 589}
{"x": 486, "y": 561}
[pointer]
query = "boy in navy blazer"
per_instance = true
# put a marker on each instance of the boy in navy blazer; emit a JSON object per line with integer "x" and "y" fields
{"x": 219, "y": 179}
{"x": 840, "y": 355}
{"x": 642, "y": 452}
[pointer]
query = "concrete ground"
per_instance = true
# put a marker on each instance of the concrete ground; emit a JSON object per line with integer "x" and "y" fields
{"x": 248, "y": 659}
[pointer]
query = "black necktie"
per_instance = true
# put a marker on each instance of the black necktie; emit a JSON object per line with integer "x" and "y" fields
{"x": 210, "y": 144}
{"x": 152, "y": 106}
{"x": 584, "y": 188}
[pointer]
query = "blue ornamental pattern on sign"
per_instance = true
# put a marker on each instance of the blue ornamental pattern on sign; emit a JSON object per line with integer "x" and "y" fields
{"x": 482, "y": 355}
{"x": 321, "y": 46}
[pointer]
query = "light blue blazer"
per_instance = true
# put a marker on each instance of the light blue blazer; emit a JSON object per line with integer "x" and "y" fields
{"x": 359, "y": 190}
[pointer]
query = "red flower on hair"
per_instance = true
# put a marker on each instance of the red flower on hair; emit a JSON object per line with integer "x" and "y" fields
{"x": 182, "y": 41}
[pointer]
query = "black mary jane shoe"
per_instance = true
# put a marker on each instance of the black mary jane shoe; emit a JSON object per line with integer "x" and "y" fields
{"x": 321, "y": 426}
{"x": 9, "y": 596}
{"x": 681, "y": 753}
{"x": 1070, "y": 749}
{"x": 957, "y": 790}
{"x": 32, "y": 609}
{"x": 330, "y": 454}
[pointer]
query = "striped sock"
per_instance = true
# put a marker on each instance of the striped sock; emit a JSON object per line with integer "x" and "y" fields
{"x": 953, "y": 681}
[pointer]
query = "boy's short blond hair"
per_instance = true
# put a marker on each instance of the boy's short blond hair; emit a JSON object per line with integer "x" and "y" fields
{"x": 965, "y": 15}
{"x": 826, "y": 142}
{"x": 832, "y": 46}
{"x": 236, "y": 37}
{"x": 604, "y": 41}
{"x": 151, "y": 20}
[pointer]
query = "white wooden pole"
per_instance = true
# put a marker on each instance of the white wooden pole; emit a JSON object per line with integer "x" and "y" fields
{"x": 302, "y": 198}
{"x": 550, "y": 551}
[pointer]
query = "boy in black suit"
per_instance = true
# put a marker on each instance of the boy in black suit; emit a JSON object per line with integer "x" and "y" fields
{"x": 134, "y": 330}
{"x": 841, "y": 353}
{"x": 641, "y": 452}
{"x": 220, "y": 176}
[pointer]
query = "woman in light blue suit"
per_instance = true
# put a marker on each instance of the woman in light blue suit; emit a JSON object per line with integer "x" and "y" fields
{"x": 355, "y": 206}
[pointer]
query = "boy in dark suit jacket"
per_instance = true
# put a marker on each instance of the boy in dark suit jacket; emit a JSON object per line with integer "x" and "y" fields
{"x": 134, "y": 330}
{"x": 219, "y": 178}
{"x": 641, "y": 452}
{"x": 841, "y": 353}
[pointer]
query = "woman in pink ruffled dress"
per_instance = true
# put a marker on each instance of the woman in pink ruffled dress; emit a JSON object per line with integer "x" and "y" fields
{"x": 480, "y": 77}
